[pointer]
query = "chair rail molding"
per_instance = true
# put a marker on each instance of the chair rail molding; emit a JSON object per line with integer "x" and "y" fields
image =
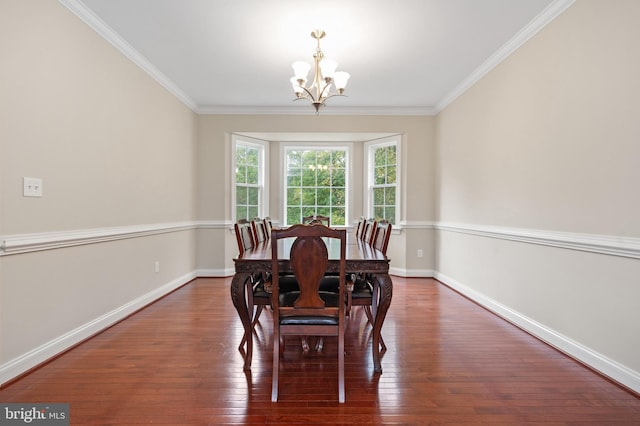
{"x": 25, "y": 243}
{"x": 594, "y": 243}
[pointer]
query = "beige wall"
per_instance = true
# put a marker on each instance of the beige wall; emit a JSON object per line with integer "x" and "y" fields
{"x": 549, "y": 142}
{"x": 114, "y": 149}
{"x": 214, "y": 203}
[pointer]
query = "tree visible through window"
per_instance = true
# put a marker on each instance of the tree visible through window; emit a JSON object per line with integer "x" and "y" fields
{"x": 384, "y": 182}
{"x": 248, "y": 182}
{"x": 316, "y": 184}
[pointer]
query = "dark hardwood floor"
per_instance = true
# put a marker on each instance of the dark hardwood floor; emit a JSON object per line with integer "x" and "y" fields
{"x": 448, "y": 361}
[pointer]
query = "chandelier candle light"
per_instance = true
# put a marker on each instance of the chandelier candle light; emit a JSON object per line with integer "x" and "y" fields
{"x": 324, "y": 80}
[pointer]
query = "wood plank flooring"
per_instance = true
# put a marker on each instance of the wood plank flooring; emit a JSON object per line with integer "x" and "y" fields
{"x": 448, "y": 361}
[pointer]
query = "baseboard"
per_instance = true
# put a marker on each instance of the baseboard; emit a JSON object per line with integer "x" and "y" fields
{"x": 49, "y": 350}
{"x": 412, "y": 273}
{"x": 215, "y": 273}
{"x": 613, "y": 370}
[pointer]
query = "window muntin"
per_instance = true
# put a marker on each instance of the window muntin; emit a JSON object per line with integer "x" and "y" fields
{"x": 316, "y": 183}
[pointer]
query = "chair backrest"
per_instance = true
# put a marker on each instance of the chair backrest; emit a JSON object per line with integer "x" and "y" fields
{"x": 369, "y": 231}
{"x": 309, "y": 259}
{"x": 381, "y": 238}
{"x": 317, "y": 220}
{"x": 244, "y": 235}
{"x": 360, "y": 227}
{"x": 268, "y": 225}
{"x": 259, "y": 231}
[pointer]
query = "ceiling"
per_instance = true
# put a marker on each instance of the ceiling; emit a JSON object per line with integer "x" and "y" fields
{"x": 404, "y": 56}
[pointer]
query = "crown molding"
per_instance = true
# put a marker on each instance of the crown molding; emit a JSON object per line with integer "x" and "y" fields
{"x": 545, "y": 17}
{"x": 308, "y": 110}
{"x": 99, "y": 26}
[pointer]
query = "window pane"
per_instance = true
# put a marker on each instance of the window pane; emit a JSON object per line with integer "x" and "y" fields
{"x": 294, "y": 196}
{"x": 338, "y": 177}
{"x": 324, "y": 211}
{"x": 338, "y": 197}
{"x": 378, "y": 213}
{"x": 241, "y": 195}
{"x": 378, "y": 196}
{"x": 253, "y": 212}
{"x": 294, "y": 215}
{"x": 294, "y": 181}
{"x": 391, "y": 174}
{"x": 252, "y": 175}
{"x": 241, "y": 212}
{"x": 339, "y": 159}
{"x": 391, "y": 155}
{"x": 308, "y": 211}
{"x": 380, "y": 175}
{"x": 390, "y": 196}
{"x": 380, "y": 157}
{"x": 324, "y": 197}
{"x": 324, "y": 177}
{"x": 241, "y": 174}
{"x": 309, "y": 176}
{"x": 252, "y": 156}
{"x": 338, "y": 216}
{"x": 253, "y": 194}
{"x": 308, "y": 196}
{"x": 390, "y": 214}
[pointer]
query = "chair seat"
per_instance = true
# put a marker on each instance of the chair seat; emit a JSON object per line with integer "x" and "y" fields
{"x": 307, "y": 320}
{"x": 362, "y": 293}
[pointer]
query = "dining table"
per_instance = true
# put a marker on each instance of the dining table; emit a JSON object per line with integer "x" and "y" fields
{"x": 361, "y": 259}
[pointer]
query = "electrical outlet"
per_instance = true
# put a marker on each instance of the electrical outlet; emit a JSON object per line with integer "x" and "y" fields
{"x": 157, "y": 266}
{"x": 31, "y": 187}
{"x": 419, "y": 252}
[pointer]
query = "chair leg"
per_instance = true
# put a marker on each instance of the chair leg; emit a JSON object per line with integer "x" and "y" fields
{"x": 341, "y": 393}
{"x": 276, "y": 368}
{"x": 257, "y": 315}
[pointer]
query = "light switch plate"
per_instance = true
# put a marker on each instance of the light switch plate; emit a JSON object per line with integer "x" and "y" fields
{"x": 32, "y": 187}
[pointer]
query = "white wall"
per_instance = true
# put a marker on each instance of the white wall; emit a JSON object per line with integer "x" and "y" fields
{"x": 544, "y": 153}
{"x": 116, "y": 153}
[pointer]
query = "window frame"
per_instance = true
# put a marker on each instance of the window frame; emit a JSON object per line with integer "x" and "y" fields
{"x": 347, "y": 147}
{"x": 369, "y": 179}
{"x": 263, "y": 173}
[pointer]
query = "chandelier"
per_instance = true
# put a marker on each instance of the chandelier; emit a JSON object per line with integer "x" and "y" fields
{"x": 326, "y": 81}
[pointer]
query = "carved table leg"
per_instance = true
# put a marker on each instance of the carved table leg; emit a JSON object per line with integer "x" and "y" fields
{"x": 385, "y": 289}
{"x": 238, "y": 297}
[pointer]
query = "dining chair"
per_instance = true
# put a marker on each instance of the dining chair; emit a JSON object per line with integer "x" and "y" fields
{"x": 363, "y": 291}
{"x": 259, "y": 230}
{"x": 257, "y": 296}
{"x": 360, "y": 227}
{"x": 268, "y": 225}
{"x": 369, "y": 231}
{"x": 308, "y": 311}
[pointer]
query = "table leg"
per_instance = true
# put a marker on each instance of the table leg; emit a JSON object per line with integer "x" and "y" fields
{"x": 238, "y": 297}
{"x": 385, "y": 289}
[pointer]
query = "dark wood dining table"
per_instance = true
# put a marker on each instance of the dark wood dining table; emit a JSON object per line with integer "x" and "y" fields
{"x": 361, "y": 258}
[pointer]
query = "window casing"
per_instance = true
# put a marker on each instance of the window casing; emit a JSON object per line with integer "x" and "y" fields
{"x": 249, "y": 179}
{"x": 316, "y": 183}
{"x": 383, "y": 174}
